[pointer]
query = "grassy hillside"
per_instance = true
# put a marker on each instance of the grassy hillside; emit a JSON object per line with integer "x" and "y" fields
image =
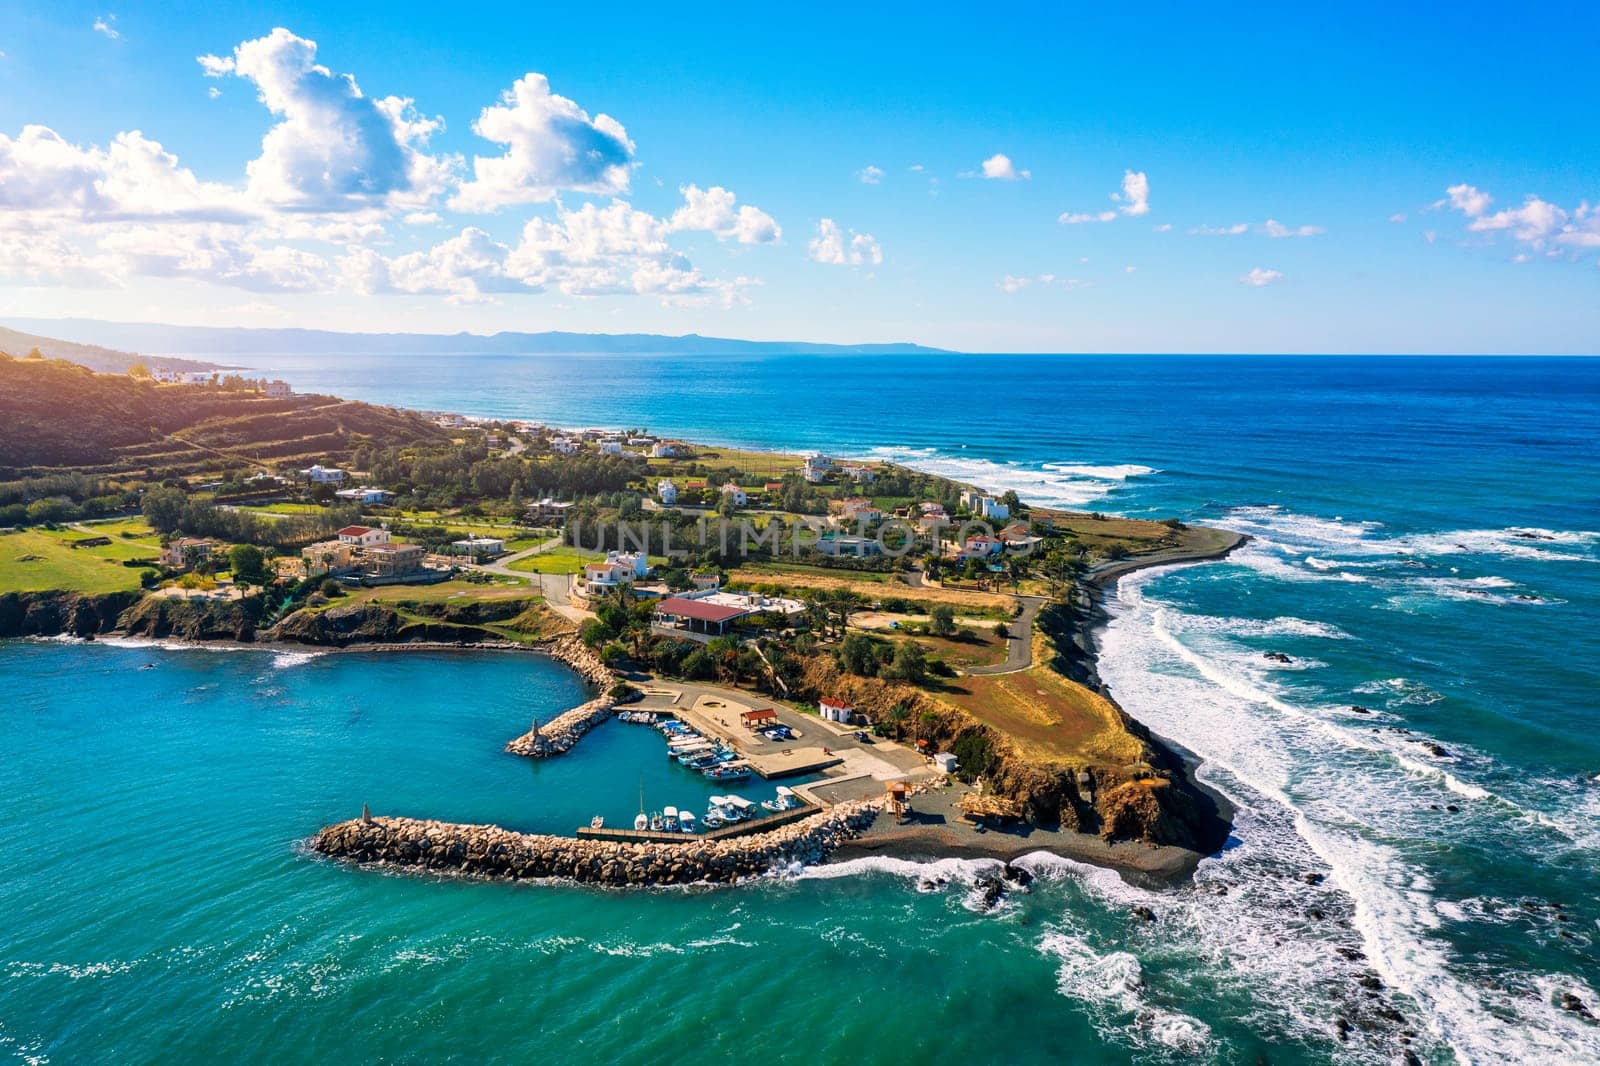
{"x": 57, "y": 417}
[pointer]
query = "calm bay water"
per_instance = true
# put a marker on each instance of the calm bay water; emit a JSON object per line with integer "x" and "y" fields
{"x": 1426, "y": 547}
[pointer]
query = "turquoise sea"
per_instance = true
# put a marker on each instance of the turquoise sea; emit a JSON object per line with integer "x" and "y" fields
{"x": 1426, "y": 546}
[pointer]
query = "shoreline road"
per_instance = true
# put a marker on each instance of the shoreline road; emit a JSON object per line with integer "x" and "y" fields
{"x": 1019, "y": 639}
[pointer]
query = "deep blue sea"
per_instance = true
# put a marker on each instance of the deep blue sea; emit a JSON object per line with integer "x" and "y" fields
{"x": 1426, "y": 545}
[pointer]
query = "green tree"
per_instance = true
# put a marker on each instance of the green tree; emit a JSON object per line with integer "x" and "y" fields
{"x": 594, "y": 633}
{"x": 249, "y": 565}
{"x": 910, "y": 662}
{"x": 138, "y": 370}
{"x": 857, "y": 655}
{"x": 942, "y": 620}
{"x": 163, "y": 508}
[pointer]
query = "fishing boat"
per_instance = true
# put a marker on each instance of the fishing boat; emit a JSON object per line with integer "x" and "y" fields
{"x": 741, "y": 809}
{"x": 727, "y": 773}
{"x": 597, "y": 822}
{"x": 656, "y": 825}
{"x": 718, "y": 813}
{"x": 713, "y": 818}
{"x": 686, "y": 822}
{"x": 669, "y": 819}
{"x": 697, "y": 762}
{"x": 641, "y": 822}
{"x": 786, "y": 801}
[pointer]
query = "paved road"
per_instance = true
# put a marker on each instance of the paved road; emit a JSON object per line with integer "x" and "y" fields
{"x": 555, "y": 588}
{"x": 1019, "y": 644}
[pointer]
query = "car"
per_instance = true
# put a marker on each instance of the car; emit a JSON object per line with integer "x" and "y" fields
{"x": 863, "y": 736}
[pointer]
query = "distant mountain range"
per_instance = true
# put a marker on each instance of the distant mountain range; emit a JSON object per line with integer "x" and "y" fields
{"x": 223, "y": 341}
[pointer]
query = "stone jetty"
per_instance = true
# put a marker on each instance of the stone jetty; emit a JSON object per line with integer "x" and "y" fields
{"x": 558, "y": 735}
{"x": 493, "y": 852}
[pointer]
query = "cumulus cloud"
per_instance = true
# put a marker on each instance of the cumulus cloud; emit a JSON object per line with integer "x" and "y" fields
{"x": 552, "y": 145}
{"x": 1260, "y": 278}
{"x": 714, "y": 211}
{"x": 835, "y": 246}
{"x": 41, "y": 173}
{"x": 871, "y": 175}
{"x": 1135, "y": 195}
{"x": 1537, "y": 224}
{"x": 999, "y": 167}
{"x": 1134, "y": 199}
{"x": 334, "y": 148}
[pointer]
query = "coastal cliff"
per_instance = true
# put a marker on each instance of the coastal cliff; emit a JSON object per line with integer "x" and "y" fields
{"x": 50, "y": 614}
{"x": 491, "y": 851}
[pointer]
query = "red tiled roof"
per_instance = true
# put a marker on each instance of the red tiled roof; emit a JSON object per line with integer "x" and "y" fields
{"x": 354, "y": 531}
{"x": 699, "y": 610}
{"x": 841, "y": 704}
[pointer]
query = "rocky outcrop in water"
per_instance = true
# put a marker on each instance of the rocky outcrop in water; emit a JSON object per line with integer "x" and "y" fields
{"x": 490, "y": 851}
{"x": 158, "y": 616}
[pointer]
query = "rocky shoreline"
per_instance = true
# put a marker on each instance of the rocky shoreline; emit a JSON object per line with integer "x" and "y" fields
{"x": 489, "y": 851}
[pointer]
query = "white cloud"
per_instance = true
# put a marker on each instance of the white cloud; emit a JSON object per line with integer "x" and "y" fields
{"x": 1165, "y": 227}
{"x": 1466, "y": 199}
{"x": 714, "y": 211}
{"x": 106, "y": 26}
{"x": 832, "y": 245}
{"x": 1135, "y": 195}
{"x": 1398, "y": 217}
{"x": 1221, "y": 231}
{"x": 1013, "y": 283}
{"x": 334, "y": 149}
{"x": 552, "y": 145}
{"x": 1134, "y": 200}
{"x": 1537, "y": 224}
{"x": 1260, "y": 278}
{"x": 871, "y": 175}
{"x": 1277, "y": 230}
{"x": 133, "y": 178}
{"x": 1129, "y": 269}
{"x": 999, "y": 167}
{"x": 213, "y": 92}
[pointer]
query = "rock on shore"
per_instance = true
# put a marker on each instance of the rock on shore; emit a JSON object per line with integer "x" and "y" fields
{"x": 494, "y": 852}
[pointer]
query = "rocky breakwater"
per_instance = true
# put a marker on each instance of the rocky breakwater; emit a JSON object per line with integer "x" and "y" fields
{"x": 493, "y": 852}
{"x": 558, "y": 735}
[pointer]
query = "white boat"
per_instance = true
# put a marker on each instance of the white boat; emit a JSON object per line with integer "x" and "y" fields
{"x": 655, "y": 822}
{"x": 597, "y": 822}
{"x": 740, "y": 808}
{"x": 714, "y": 819}
{"x": 786, "y": 800}
{"x": 686, "y": 821}
{"x": 641, "y": 822}
{"x": 669, "y": 819}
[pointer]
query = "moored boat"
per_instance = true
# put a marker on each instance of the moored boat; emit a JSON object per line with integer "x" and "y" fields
{"x": 785, "y": 801}
{"x": 686, "y": 822}
{"x": 727, "y": 773}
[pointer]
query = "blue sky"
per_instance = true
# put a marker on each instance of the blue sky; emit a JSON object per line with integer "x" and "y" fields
{"x": 1367, "y": 180}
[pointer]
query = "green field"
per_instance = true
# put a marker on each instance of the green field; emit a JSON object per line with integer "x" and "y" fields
{"x": 37, "y": 560}
{"x": 558, "y": 560}
{"x": 270, "y": 509}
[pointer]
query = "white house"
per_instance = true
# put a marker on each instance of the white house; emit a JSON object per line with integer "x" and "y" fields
{"x": 365, "y": 494}
{"x": 946, "y": 762}
{"x": 618, "y": 569}
{"x": 669, "y": 449}
{"x": 611, "y": 447}
{"x": 363, "y": 536}
{"x": 857, "y": 472}
{"x": 564, "y": 445}
{"x": 836, "y": 711}
{"x": 480, "y": 547}
{"x": 735, "y": 493}
{"x": 858, "y": 509}
{"x": 667, "y": 491}
{"x": 278, "y": 390}
{"x": 993, "y": 509}
{"x": 184, "y": 377}
{"x": 816, "y": 468}
{"x": 323, "y": 475}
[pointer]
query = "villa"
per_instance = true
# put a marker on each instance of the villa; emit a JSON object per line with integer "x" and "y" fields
{"x": 839, "y": 544}
{"x": 735, "y": 493}
{"x": 857, "y": 472}
{"x": 565, "y": 446}
{"x": 611, "y": 447}
{"x": 362, "y": 536}
{"x": 670, "y": 449}
{"x": 184, "y": 552}
{"x": 327, "y": 556}
{"x": 549, "y": 510}
{"x": 479, "y": 547}
{"x": 278, "y": 390}
{"x": 365, "y": 495}
{"x": 667, "y": 491}
{"x": 323, "y": 475}
{"x": 184, "y": 377}
{"x": 618, "y": 569}
{"x": 816, "y": 468}
{"x": 857, "y": 509}
{"x": 980, "y": 547}
{"x": 393, "y": 559}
